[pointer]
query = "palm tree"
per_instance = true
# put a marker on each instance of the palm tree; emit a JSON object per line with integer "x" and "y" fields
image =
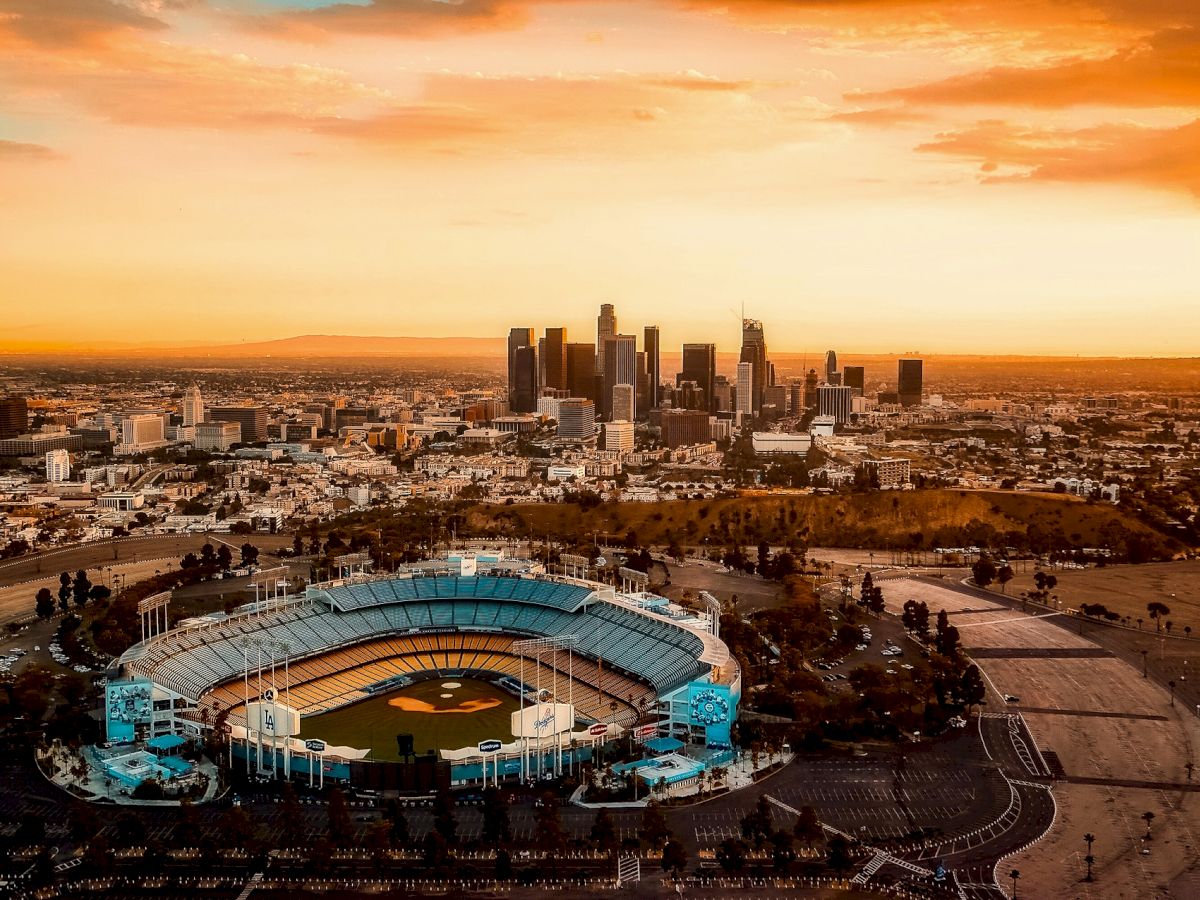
{"x": 1171, "y": 685}
{"x": 1089, "y": 859}
{"x": 1148, "y": 817}
{"x": 1187, "y": 631}
{"x": 1014, "y": 875}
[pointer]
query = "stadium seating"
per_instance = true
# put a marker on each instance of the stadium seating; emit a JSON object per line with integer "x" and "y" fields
{"x": 368, "y": 621}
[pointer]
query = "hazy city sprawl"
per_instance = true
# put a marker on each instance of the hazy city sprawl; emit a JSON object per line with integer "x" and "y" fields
{"x": 514, "y": 449}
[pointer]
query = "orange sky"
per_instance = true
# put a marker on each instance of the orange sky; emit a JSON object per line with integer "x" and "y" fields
{"x": 881, "y": 175}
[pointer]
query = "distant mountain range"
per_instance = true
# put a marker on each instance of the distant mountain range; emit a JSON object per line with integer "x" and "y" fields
{"x": 343, "y": 345}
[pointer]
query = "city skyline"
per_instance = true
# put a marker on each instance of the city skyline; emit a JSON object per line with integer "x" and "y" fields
{"x": 1003, "y": 178}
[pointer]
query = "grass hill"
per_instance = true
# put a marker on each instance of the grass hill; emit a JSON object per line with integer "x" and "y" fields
{"x": 878, "y": 520}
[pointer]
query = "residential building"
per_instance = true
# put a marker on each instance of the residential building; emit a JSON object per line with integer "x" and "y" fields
{"x": 58, "y": 466}
{"x": 887, "y": 473}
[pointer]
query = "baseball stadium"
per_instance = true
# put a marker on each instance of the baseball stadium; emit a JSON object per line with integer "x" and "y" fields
{"x": 488, "y": 668}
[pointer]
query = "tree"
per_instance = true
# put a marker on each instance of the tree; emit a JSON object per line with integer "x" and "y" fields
{"x": 808, "y": 827}
{"x": 249, "y": 554}
{"x": 339, "y": 826}
{"x": 64, "y": 591}
{"x": 45, "y": 603}
{"x": 1004, "y": 576}
{"x": 1015, "y": 875}
{"x": 224, "y": 558}
{"x": 972, "y": 690}
{"x": 99, "y": 593}
{"x": 399, "y": 824}
{"x": 495, "y": 816}
{"x": 1157, "y": 611}
{"x": 189, "y": 561}
{"x": 444, "y": 821}
{"x": 782, "y": 853}
{"x": 731, "y": 855}
{"x": 654, "y": 831}
{"x": 80, "y": 588}
{"x": 1089, "y": 859}
{"x": 875, "y": 601}
{"x": 837, "y": 854}
{"x": 604, "y": 833}
{"x": 674, "y": 858}
{"x": 983, "y": 571}
{"x": 756, "y": 824}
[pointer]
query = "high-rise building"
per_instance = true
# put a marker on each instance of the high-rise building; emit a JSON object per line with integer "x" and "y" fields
{"x": 522, "y": 394}
{"x": 58, "y": 466}
{"x": 623, "y": 403}
{"x": 576, "y": 419}
{"x": 796, "y": 397}
{"x": 744, "y": 398}
{"x": 855, "y": 377}
{"x": 830, "y": 364}
{"x": 700, "y": 367}
{"x": 722, "y": 395}
{"x": 581, "y": 370}
{"x": 253, "y": 420}
{"x": 192, "y": 407}
{"x": 910, "y": 382}
{"x": 142, "y": 432}
{"x": 685, "y": 427}
{"x": 620, "y": 367}
{"x": 606, "y": 327}
{"x": 835, "y": 400}
{"x": 14, "y": 416}
{"x": 810, "y": 389}
{"x": 555, "y": 365}
{"x": 754, "y": 351}
{"x": 217, "y": 435}
{"x": 653, "y": 350}
{"x": 517, "y": 338}
{"x": 618, "y": 436}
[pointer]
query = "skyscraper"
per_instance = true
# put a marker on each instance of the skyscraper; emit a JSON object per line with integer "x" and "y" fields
{"x": 810, "y": 389}
{"x": 622, "y": 403}
{"x": 620, "y": 367}
{"x": 836, "y": 401}
{"x": 700, "y": 367}
{"x": 830, "y": 364}
{"x": 745, "y": 389}
{"x": 606, "y": 327}
{"x": 192, "y": 407}
{"x": 650, "y": 345}
{"x": 517, "y": 338}
{"x": 855, "y": 377}
{"x": 522, "y": 394}
{"x": 910, "y": 382}
{"x": 754, "y": 351}
{"x": 576, "y": 419}
{"x": 581, "y": 370}
{"x": 555, "y": 365}
{"x": 14, "y": 416}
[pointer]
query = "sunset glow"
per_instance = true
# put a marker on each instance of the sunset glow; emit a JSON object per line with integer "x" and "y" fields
{"x": 990, "y": 176}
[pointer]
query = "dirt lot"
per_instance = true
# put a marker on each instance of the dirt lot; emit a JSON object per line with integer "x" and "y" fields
{"x": 1009, "y": 629}
{"x": 1142, "y": 738}
{"x": 1127, "y": 589}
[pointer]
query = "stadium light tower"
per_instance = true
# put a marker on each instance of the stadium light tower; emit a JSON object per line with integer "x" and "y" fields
{"x": 536, "y": 647}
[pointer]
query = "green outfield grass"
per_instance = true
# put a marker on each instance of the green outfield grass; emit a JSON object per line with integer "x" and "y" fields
{"x": 373, "y": 724}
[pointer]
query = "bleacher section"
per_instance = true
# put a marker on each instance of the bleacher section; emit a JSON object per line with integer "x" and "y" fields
{"x": 343, "y": 676}
{"x": 644, "y": 647}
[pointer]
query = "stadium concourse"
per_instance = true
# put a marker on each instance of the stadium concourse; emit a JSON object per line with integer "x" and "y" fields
{"x": 585, "y": 661}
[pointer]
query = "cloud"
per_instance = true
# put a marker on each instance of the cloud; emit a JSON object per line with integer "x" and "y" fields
{"x": 880, "y": 117}
{"x": 60, "y": 23}
{"x": 17, "y": 151}
{"x": 1163, "y": 70}
{"x": 1120, "y": 153}
{"x": 424, "y": 18}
